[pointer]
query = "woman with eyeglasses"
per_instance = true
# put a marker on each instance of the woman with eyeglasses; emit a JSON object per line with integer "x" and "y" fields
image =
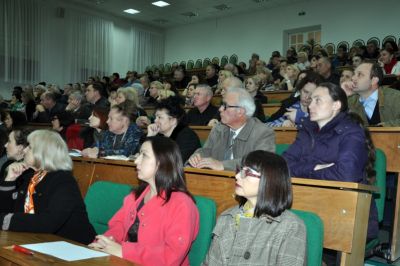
{"x": 260, "y": 230}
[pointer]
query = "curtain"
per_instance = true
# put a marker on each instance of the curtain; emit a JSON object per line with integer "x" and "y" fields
{"x": 20, "y": 40}
{"x": 148, "y": 49}
{"x": 89, "y": 46}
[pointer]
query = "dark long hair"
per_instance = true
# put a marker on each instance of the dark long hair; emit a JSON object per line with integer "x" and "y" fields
{"x": 170, "y": 176}
{"x": 275, "y": 188}
{"x": 337, "y": 94}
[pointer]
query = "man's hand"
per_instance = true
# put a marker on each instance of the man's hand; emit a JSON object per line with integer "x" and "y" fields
{"x": 210, "y": 163}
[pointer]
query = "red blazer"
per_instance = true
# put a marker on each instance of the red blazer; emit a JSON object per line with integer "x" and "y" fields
{"x": 166, "y": 231}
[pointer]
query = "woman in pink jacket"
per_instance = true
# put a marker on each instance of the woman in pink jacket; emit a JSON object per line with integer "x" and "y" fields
{"x": 158, "y": 221}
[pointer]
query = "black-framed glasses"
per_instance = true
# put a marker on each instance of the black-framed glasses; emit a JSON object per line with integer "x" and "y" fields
{"x": 225, "y": 106}
{"x": 246, "y": 171}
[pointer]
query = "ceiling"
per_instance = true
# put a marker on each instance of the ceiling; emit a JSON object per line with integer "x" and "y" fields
{"x": 171, "y": 16}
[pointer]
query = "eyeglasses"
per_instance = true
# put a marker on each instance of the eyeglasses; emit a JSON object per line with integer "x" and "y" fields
{"x": 246, "y": 171}
{"x": 225, "y": 106}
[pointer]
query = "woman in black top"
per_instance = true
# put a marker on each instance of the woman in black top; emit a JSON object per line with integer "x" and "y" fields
{"x": 170, "y": 121}
{"x": 45, "y": 194}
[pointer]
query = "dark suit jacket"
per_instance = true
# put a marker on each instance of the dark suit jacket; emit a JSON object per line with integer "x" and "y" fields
{"x": 187, "y": 140}
{"x": 48, "y": 114}
{"x": 59, "y": 207}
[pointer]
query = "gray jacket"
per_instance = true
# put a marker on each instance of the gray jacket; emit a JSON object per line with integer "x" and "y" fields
{"x": 258, "y": 241}
{"x": 254, "y": 136}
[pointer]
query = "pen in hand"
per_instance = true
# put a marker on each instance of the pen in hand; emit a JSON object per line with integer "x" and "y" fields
{"x": 22, "y": 250}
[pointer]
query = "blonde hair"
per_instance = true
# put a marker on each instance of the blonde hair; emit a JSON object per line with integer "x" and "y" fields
{"x": 49, "y": 151}
{"x": 130, "y": 94}
{"x": 157, "y": 84}
{"x": 164, "y": 94}
{"x": 257, "y": 81}
{"x": 225, "y": 73}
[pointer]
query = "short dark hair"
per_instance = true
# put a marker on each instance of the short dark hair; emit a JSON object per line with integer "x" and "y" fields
{"x": 337, "y": 94}
{"x": 18, "y": 118}
{"x": 376, "y": 71}
{"x": 173, "y": 107}
{"x": 311, "y": 77}
{"x": 21, "y": 135}
{"x": 275, "y": 188}
{"x": 98, "y": 86}
{"x": 170, "y": 175}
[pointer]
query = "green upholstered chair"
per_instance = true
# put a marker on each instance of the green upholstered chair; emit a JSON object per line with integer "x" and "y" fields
{"x": 281, "y": 148}
{"x": 103, "y": 200}
{"x": 208, "y": 212}
{"x": 315, "y": 236}
{"x": 380, "y": 182}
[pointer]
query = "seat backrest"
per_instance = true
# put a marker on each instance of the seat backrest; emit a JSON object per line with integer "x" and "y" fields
{"x": 315, "y": 236}
{"x": 380, "y": 168}
{"x": 103, "y": 200}
{"x": 208, "y": 212}
{"x": 281, "y": 148}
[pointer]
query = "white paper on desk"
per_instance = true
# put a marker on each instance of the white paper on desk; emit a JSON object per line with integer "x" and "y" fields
{"x": 116, "y": 157}
{"x": 65, "y": 251}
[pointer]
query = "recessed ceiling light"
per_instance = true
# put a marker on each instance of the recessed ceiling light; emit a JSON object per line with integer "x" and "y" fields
{"x": 160, "y": 3}
{"x": 131, "y": 11}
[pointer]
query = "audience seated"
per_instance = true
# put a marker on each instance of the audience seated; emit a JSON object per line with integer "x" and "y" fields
{"x": 295, "y": 108}
{"x": 154, "y": 93}
{"x": 46, "y": 172}
{"x": 129, "y": 94}
{"x": 324, "y": 68}
{"x": 222, "y": 75}
{"x": 331, "y": 145}
{"x": 165, "y": 206}
{"x": 211, "y": 75}
{"x": 13, "y": 119}
{"x": 122, "y": 136}
{"x": 346, "y": 75}
{"x": 15, "y": 146}
{"x": 357, "y": 60}
{"x": 302, "y": 61}
{"x": 188, "y": 93}
{"x": 16, "y": 103}
{"x": 203, "y": 110}
{"x": 170, "y": 121}
{"x": 260, "y": 230}
{"x": 314, "y": 63}
{"x": 376, "y": 105}
{"x": 388, "y": 62}
{"x": 372, "y": 51}
{"x": 181, "y": 81}
{"x": 253, "y": 86}
{"x": 237, "y": 135}
{"x": 341, "y": 58}
{"x": 3, "y": 141}
{"x": 290, "y": 78}
{"x": 93, "y": 135}
{"x": 95, "y": 95}
{"x": 30, "y": 105}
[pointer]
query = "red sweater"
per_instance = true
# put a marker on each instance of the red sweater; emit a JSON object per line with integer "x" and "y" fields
{"x": 166, "y": 231}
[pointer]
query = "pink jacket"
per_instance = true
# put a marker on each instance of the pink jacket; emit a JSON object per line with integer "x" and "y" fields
{"x": 166, "y": 232}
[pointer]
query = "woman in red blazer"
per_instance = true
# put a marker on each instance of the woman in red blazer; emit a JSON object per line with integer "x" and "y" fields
{"x": 159, "y": 221}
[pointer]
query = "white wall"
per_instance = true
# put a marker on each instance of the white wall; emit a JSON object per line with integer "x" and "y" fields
{"x": 262, "y": 31}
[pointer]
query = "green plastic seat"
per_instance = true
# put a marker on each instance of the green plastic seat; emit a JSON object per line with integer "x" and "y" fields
{"x": 103, "y": 200}
{"x": 315, "y": 236}
{"x": 281, "y": 148}
{"x": 380, "y": 182}
{"x": 208, "y": 212}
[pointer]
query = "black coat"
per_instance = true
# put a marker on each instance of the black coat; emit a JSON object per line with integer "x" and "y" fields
{"x": 59, "y": 207}
{"x": 187, "y": 140}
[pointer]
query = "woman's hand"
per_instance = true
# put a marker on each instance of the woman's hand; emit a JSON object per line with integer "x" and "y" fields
{"x": 213, "y": 122}
{"x": 90, "y": 152}
{"x": 15, "y": 170}
{"x": 107, "y": 244}
{"x": 143, "y": 121}
{"x": 153, "y": 130}
{"x": 39, "y": 108}
{"x": 291, "y": 114}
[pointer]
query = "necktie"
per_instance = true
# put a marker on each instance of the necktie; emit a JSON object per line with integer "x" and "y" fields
{"x": 229, "y": 149}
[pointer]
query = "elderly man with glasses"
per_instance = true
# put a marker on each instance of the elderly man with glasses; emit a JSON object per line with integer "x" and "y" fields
{"x": 238, "y": 134}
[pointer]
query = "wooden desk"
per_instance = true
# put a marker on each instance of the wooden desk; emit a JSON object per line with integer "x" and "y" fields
{"x": 271, "y": 108}
{"x": 342, "y": 206}
{"x": 10, "y": 257}
{"x": 277, "y": 96}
